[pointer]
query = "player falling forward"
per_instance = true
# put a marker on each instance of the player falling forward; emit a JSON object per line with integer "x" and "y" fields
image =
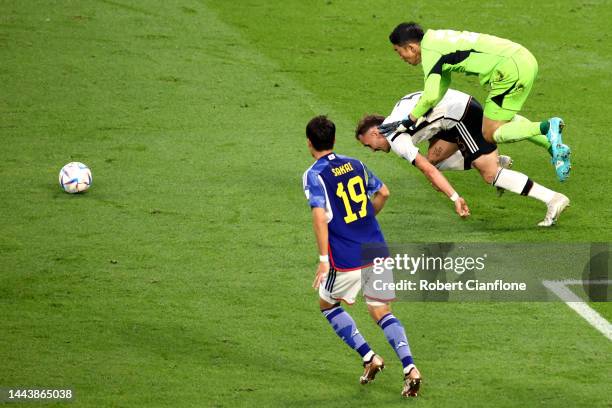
{"x": 454, "y": 124}
{"x": 345, "y": 197}
{"x": 509, "y": 69}
{"x": 443, "y": 154}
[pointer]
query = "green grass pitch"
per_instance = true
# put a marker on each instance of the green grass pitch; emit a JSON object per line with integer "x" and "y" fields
{"x": 182, "y": 278}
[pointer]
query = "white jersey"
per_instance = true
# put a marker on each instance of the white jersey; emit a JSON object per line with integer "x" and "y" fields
{"x": 444, "y": 116}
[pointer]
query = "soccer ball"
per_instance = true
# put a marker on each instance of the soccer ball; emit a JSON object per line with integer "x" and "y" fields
{"x": 75, "y": 177}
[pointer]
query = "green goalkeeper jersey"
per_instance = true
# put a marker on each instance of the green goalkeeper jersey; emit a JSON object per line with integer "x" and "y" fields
{"x": 445, "y": 51}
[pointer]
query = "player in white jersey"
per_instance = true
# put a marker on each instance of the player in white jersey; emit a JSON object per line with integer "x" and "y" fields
{"x": 442, "y": 153}
{"x": 454, "y": 125}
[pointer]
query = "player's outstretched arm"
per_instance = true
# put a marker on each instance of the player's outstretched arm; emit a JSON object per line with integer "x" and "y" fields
{"x": 379, "y": 198}
{"x": 319, "y": 224}
{"x": 441, "y": 183}
{"x": 435, "y": 88}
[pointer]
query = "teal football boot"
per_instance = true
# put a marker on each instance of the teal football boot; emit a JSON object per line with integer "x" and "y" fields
{"x": 560, "y": 152}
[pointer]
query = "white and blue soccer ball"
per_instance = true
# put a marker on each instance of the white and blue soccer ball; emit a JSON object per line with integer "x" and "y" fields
{"x": 75, "y": 177}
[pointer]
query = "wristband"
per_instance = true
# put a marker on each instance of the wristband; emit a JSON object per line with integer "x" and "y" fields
{"x": 324, "y": 258}
{"x": 454, "y": 197}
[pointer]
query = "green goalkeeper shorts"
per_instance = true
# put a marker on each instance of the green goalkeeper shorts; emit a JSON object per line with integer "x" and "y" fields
{"x": 511, "y": 83}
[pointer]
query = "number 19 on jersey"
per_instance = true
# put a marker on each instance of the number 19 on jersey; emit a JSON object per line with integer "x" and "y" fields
{"x": 350, "y": 194}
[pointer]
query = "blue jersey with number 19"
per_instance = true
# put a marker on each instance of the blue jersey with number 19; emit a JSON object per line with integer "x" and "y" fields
{"x": 342, "y": 186}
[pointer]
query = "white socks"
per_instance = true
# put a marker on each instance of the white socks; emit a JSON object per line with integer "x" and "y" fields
{"x": 408, "y": 368}
{"x": 541, "y": 193}
{"x": 368, "y": 356}
{"x": 511, "y": 180}
{"x": 521, "y": 184}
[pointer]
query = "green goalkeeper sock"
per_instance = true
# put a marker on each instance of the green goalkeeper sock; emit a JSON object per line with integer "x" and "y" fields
{"x": 516, "y": 131}
{"x": 540, "y": 140}
{"x": 521, "y": 129}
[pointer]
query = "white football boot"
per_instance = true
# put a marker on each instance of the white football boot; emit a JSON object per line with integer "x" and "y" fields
{"x": 555, "y": 208}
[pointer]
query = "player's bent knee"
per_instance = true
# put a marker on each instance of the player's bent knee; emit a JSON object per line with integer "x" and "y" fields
{"x": 487, "y": 133}
{"x": 488, "y": 177}
{"x": 489, "y": 126}
{"x": 488, "y": 173}
{"x": 488, "y": 166}
{"x": 324, "y": 304}
{"x": 378, "y": 309}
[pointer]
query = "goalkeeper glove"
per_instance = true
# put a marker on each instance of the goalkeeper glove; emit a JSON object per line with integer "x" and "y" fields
{"x": 399, "y": 126}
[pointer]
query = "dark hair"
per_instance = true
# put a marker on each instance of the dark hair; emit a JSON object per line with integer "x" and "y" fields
{"x": 367, "y": 122}
{"x": 406, "y": 32}
{"x": 321, "y": 132}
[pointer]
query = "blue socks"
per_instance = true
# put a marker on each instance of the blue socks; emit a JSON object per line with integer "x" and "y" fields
{"x": 345, "y": 327}
{"x": 396, "y": 336}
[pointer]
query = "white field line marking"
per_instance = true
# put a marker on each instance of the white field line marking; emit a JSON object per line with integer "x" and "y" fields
{"x": 560, "y": 289}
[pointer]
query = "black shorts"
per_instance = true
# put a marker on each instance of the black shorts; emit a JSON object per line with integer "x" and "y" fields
{"x": 467, "y": 134}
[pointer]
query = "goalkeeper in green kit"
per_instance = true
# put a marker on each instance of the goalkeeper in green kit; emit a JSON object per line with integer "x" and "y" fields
{"x": 509, "y": 69}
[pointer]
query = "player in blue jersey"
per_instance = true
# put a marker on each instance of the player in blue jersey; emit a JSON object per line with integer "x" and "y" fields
{"x": 345, "y": 197}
